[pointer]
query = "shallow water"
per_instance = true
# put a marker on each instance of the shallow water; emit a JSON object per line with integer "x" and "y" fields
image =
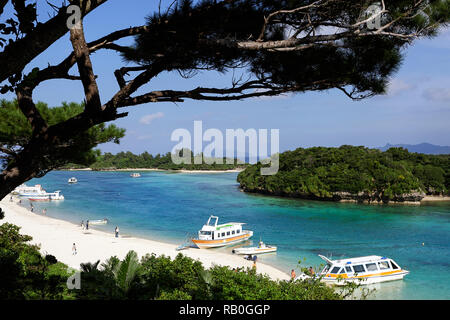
{"x": 169, "y": 206}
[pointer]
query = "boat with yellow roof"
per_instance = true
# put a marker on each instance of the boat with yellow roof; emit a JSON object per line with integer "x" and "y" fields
{"x": 360, "y": 270}
{"x": 214, "y": 235}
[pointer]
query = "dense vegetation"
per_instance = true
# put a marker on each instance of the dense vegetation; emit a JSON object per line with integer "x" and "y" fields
{"x": 123, "y": 160}
{"x": 184, "y": 279}
{"x": 353, "y": 173}
{"x": 16, "y": 132}
{"x": 26, "y": 274}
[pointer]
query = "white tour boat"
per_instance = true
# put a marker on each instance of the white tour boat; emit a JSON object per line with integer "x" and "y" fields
{"x": 261, "y": 248}
{"x": 135, "y": 175}
{"x": 24, "y": 190}
{"x": 214, "y": 235}
{"x": 46, "y": 196}
{"x": 360, "y": 270}
{"x": 72, "y": 180}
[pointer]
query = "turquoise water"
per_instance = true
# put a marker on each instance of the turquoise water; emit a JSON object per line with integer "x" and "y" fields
{"x": 168, "y": 206}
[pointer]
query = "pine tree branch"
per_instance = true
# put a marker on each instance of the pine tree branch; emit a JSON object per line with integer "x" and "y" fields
{"x": 81, "y": 53}
{"x": 19, "y": 53}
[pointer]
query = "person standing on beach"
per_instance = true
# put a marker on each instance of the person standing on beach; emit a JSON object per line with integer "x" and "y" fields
{"x": 74, "y": 249}
{"x": 82, "y": 225}
{"x": 87, "y": 224}
{"x": 254, "y": 261}
{"x": 44, "y": 211}
{"x": 31, "y": 207}
{"x": 116, "y": 231}
{"x": 293, "y": 275}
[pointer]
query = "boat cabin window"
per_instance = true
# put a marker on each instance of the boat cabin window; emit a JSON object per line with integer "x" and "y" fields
{"x": 205, "y": 233}
{"x": 335, "y": 270}
{"x": 359, "y": 268}
{"x": 394, "y": 266}
{"x": 228, "y": 233}
{"x": 232, "y": 232}
{"x": 348, "y": 269}
{"x": 342, "y": 270}
{"x": 371, "y": 267}
{"x": 223, "y": 234}
{"x": 383, "y": 265}
{"x": 238, "y": 231}
{"x": 218, "y": 234}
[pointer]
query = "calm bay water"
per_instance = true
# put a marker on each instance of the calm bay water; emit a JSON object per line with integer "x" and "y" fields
{"x": 169, "y": 206}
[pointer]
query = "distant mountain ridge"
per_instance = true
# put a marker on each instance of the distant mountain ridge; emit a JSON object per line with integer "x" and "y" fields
{"x": 426, "y": 148}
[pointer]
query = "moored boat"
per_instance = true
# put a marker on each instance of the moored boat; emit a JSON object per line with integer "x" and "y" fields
{"x": 360, "y": 270}
{"x": 102, "y": 221}
{"x": 135, "y": 175}
{"x": 72, "y": 180}
{"x": 46, "y": 196}
{"x": 261, "y": 248}
{"x": 213, "y": 235}
{"x": 24, "y": 190}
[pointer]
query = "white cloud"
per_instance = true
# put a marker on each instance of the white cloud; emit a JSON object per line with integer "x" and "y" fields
{"x": 145, "y": 137}
{"x": 437, "y": 94}
{"x": 147, "y": 119}
{"x": 397, "y": 86}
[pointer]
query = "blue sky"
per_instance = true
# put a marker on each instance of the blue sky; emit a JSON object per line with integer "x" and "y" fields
{"x": 416, "y": 109}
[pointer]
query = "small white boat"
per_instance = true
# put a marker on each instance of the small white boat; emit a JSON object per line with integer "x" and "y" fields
{"x": 72, "y": 180}
{"x": 57, "y": 195}
{"x": 360, "y": 270}
{"x": 135, "y": 175}
{"x": 96, "y": 222}
{"x": 261, "y": 248}
{"x": 213, "y": 235}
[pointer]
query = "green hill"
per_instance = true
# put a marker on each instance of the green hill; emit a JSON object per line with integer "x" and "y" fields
{"x": 352, "y": 173}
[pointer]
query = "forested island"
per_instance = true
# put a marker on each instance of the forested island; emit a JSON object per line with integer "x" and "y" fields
{"x": 128, "y": 160}
{"x": 351, "y": 173}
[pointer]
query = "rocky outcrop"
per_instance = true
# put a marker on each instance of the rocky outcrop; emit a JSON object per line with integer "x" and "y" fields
{"x": 378, "y": 197}
{"x": 343, "y": 196}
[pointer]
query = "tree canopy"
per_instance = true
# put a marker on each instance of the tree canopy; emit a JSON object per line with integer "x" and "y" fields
{"x": 272, "y": 46}
{"x": 145, "y": 160}
{"x": 353, "y": 173}
{"x": 16, "y": 132}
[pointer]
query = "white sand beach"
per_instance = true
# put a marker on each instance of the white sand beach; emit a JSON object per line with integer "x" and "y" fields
{"x": 56, "y": 237}
{"x": 435, "y": 198}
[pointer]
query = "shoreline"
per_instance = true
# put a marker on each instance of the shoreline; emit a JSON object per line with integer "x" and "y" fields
{"x": 353, "y": 201}
{"x": 56, "y": 237}
{"x": 435, "y": 198}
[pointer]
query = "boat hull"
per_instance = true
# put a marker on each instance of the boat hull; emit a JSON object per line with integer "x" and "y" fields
{"x": 254, "y": 250}
{"x": 98, "y": 222}
{"x": 39, "y": 199}
{"x": 206, "y": 244}
{"x": 45, "y": 197}
{"x": 370, "y": 279}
